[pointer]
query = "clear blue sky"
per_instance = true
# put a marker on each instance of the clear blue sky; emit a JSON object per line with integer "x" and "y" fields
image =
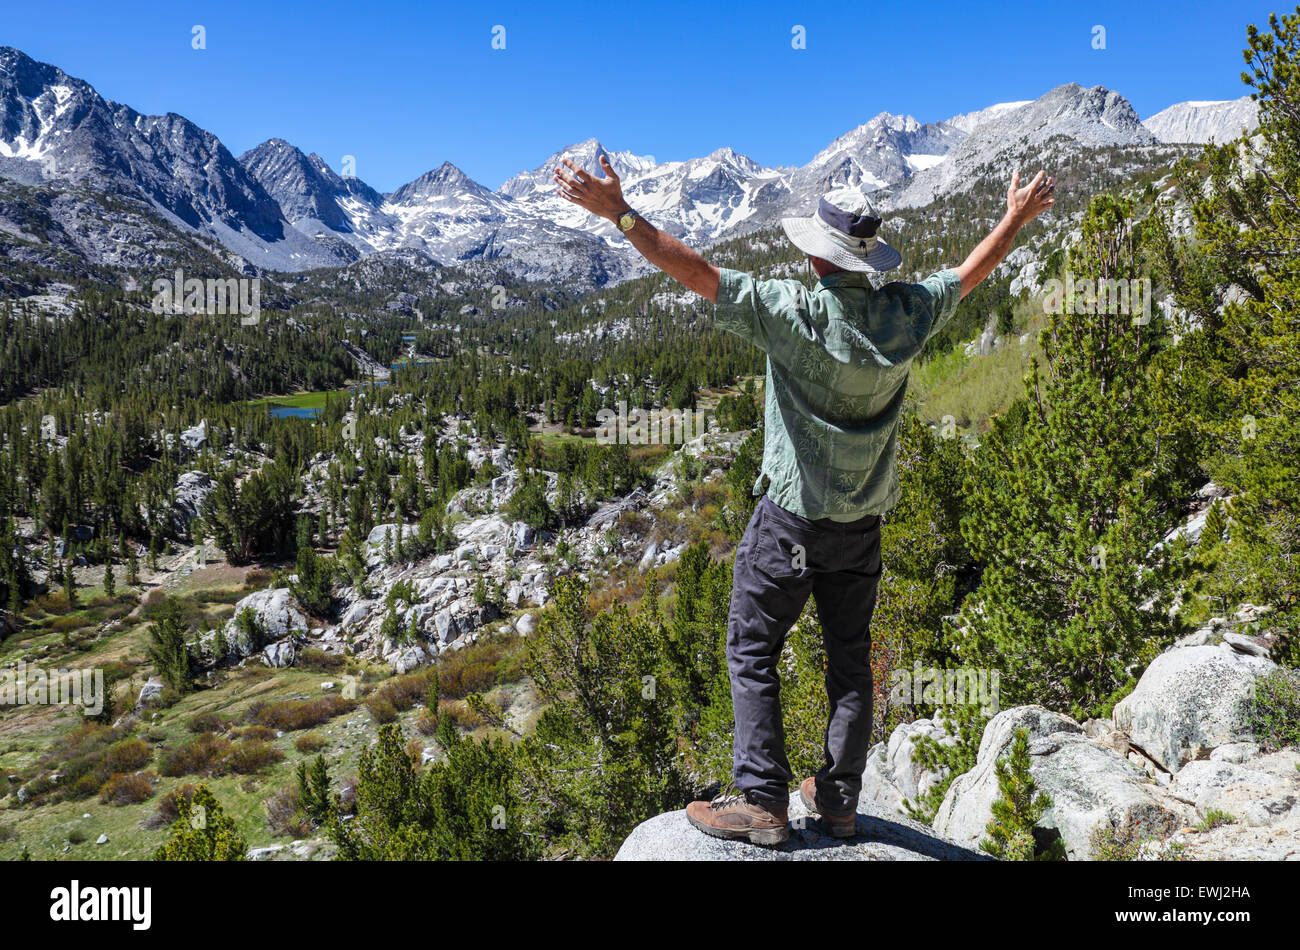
{"x": 404, "y": 86}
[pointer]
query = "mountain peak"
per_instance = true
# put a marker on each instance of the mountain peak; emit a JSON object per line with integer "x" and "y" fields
{"x": 446, "y": 179}
{"x": 732, "y": 157}
{"x": 278, "y": 143}
{"x": 1094, "y": 116}
{"x": 11, "y": 59}
{"x": 1199, "y": 122}
{"x": 889, "y": 120}
{"x": 1002, "y": 136}
{"x": 304, "y": 186}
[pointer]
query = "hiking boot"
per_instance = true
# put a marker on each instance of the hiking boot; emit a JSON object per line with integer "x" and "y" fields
{"x": 838, "y": 824}
{"x": 735, "y": 818}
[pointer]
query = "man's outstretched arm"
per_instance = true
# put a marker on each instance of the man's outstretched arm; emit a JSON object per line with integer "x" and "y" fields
{"x": 1023, "y": 205}
{"x": 604, "y": 197}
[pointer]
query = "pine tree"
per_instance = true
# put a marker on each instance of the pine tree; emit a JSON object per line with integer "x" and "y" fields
{"x": 964, "y": 723}
{"x": 69, "y": 585}
{"x": 314, "y": 790}
{"x": 528, "y": 502}
{"x": 1017, "y": 809}
{"x": 391, "y": 628}
{"x": 605, "y": 751}
{"x": 1068, "y": 494}
{"x": 314, "y": 586}
{"x": 110, "y": 582}
{"x": 251, "y": 629}
{"x": 168, "y": 651}
{"x": 464, "y": 807}
{"x": 1246, "y": 202}
{"x": 431, "y": 699}
{"x": 14, "y": 606}
{"x": 202, "y": 832}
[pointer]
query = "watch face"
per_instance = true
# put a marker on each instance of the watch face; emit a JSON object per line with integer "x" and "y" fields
{"x": 626, "y": 221}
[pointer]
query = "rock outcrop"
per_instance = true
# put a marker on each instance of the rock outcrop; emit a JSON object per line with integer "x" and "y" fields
{"x": 882, "y": 836}
{"x": 280, "y": 620}
{"x": 191, "y": 491}
{"x": 892, "y": 777}
{"x": 1089, "y": 783}
{"x": 1189, "y": 701}
{"x": 1177, "y": 767}
{"x": 1260, "y": 792}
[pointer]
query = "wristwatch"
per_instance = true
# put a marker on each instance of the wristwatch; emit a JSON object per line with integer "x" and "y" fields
{"x": 626, "y": 220}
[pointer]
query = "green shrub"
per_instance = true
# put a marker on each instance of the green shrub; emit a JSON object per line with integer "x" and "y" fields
{"x": 205, "y": 754}
{"x": 126, "y": 789}
{"x": 314, "y": 790}
{"x": 169, "y": 806}
{"x": 1214, "y": 818}
{"x": 264, "y": 733}
{"x": 292, "y": 715}
{"x": 253, "y": 755}
{"x": 85, "y": 758}
{"x": 1108, "y": 843}
{"x": 1128, "y": 843}
{"x": 528, "y": 502}
{"x": 953, "y": 759}
{"x": 129, "y": 755}
{"x": 309, "y": 743}
{"x": 207, "y": 722}
{"x": 1274, "y": 710}
{"x": 86, "y": 785}
{"x": 316, "y": 660}
{"x": 381, "y": 708}
{"x": 464, "y": 807}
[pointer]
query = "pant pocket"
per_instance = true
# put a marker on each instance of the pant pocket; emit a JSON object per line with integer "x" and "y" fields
{"x": 778, "y": 551}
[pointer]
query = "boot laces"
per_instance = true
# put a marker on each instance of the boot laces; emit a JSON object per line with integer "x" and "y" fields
{"x": 727, "y": 800}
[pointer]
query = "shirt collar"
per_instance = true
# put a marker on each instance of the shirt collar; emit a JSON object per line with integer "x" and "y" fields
{"x": 850, "y": 278}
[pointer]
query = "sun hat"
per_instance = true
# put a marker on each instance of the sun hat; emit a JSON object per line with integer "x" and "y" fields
{"x": 843, "y": 231}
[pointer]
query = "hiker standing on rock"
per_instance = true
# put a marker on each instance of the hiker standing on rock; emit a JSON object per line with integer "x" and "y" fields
{"x": 837, "y": 363}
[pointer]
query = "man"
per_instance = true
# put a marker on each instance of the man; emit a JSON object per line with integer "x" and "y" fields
{"x": 837, "y": 364}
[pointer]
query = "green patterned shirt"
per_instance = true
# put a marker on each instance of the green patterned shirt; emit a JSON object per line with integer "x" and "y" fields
{"x": 837, "y": 364}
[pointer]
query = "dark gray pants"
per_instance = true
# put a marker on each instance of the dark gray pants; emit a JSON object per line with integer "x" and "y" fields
{"x": 783, "y": 558}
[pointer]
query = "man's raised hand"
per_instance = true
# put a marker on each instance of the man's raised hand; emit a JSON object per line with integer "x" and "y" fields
{"x": 600, "y": 196}
{"x": 1027, "y": 203}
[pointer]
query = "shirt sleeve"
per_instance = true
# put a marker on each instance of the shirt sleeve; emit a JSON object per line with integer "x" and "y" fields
{"x": 771, "y": 314}
{"x": 943, "y": 292}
